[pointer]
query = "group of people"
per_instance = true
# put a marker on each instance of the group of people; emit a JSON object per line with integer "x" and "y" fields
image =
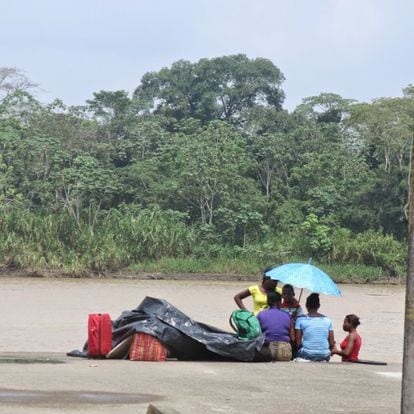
{"x": 292, "y": 334}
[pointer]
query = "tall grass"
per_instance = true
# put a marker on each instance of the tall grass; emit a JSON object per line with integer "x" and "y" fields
{"x": 160, "y": 241}
{"x": 36, "y": 241}
{"x": 341, "y": 273}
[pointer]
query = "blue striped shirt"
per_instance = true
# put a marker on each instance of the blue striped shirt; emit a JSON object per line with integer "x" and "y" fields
{"x": 315, "y": 331}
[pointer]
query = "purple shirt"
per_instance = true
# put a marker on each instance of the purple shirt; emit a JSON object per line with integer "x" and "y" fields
{"x": 275, "y": 325}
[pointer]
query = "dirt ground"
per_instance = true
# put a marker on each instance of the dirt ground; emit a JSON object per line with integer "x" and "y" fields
{"x": 48, "y": 317}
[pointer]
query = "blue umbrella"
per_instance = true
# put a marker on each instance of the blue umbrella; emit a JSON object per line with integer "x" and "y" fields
{"x": 305, "y": 276}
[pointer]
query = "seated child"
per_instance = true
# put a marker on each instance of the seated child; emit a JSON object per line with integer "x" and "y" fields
{"x": 351, "y": 345}
{"x": 290, "y": 304}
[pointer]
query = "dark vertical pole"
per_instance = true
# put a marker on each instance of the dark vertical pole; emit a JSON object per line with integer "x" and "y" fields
{"x": 407, "y": 391}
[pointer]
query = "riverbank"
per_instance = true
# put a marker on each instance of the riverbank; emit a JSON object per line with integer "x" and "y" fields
{"x": 46, "y": 317}
{"x": 130, "y": 275}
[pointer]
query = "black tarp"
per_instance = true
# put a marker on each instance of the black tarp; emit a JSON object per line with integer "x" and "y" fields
{"x": 185, "y": 338}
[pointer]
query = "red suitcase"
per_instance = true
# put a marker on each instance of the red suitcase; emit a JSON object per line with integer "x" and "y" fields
{"x": 99, "y": 334}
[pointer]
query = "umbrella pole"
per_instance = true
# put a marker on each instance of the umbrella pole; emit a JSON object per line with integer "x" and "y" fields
{"x": 301, "y": 291}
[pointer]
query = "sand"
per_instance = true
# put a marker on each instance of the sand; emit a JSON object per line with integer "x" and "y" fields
{"x": 53, "y": 312}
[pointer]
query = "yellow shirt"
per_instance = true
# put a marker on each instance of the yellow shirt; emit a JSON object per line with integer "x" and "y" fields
{"x": 260, "y": 298}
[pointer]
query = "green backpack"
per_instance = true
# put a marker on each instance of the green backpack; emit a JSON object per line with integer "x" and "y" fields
{"x": 245, "y": 324}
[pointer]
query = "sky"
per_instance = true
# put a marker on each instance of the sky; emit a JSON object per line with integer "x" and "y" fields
{"x": 359, "y": 49}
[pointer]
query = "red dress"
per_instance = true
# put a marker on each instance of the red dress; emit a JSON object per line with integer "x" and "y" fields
{"x": 353, "y": 356}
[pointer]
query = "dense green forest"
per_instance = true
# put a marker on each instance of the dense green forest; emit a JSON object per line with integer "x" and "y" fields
{"x": 201, "y": 169}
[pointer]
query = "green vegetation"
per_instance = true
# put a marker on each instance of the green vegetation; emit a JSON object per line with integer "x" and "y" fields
{"x": 201, "y": 170}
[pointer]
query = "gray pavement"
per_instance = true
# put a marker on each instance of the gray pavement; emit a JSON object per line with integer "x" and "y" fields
{"x": 114, "y": 386}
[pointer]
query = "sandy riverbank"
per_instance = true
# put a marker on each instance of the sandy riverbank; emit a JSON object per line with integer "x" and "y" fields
{"x": 53, "y": 312}
{"x": 45, "y": 317}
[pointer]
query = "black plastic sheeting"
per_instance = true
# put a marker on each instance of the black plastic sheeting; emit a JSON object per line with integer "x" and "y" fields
{"x": 185, "y": 338}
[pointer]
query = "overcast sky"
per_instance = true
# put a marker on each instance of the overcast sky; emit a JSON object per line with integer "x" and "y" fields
{"x": 360, "y": 49}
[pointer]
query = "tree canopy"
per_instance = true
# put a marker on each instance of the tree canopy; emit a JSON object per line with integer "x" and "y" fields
{"x": 221, "y": 88}
{"x": 200, "y": 159}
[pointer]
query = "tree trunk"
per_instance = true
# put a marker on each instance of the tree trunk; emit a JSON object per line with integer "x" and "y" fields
{"x": 407, "y": 395}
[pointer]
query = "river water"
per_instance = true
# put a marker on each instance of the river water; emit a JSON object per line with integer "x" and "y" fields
{"x": 50, "y": 315}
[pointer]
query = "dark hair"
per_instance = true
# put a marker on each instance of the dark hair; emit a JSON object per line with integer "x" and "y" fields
{"x": 312, "y": 301}
{"x": 290, "y": 287}
{"x": 273, "y": 298}
{"x": 353, "y": 320}
{"x": 269, "y": 278}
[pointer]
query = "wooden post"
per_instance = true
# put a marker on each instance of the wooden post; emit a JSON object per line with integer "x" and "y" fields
{"x": 407, "y": 394}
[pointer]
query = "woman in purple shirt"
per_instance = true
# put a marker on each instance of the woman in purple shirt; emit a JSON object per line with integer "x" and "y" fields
{"x": 277, "y": 327}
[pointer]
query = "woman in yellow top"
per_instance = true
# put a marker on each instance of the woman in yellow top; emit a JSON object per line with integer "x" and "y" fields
{"x": 259, "y": 293}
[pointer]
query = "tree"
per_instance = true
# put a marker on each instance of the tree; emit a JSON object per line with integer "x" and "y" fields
{"x": 19, "y": 107}
{"x": 204, "y": 168}
{"x": 71, "y": 126}
{"x": 41, "y": 159}
{"x": 407, "y": 399}
{"x": 213, "y": 89}
{"x": 383, "y": 131}
{"x": 408, "y": 91}
{"x": 9, "y": 191}
{"x": 110, "y": 109}
{"x": 326, "y": 107}
{"x": 13, "y": 80}
{"x": 86, "y": 183}
{"x": 144, "y": 136}
{"x": 271, "y": 147}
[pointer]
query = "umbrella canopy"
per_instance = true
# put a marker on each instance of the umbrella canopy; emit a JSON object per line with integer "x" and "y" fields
{"x": 305, "y": 276}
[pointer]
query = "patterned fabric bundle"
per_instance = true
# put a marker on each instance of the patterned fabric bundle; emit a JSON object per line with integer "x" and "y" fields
{"x": 146, "y": 347}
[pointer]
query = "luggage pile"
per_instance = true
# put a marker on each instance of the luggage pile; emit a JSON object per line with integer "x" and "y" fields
{"x": 156, "y": 330}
